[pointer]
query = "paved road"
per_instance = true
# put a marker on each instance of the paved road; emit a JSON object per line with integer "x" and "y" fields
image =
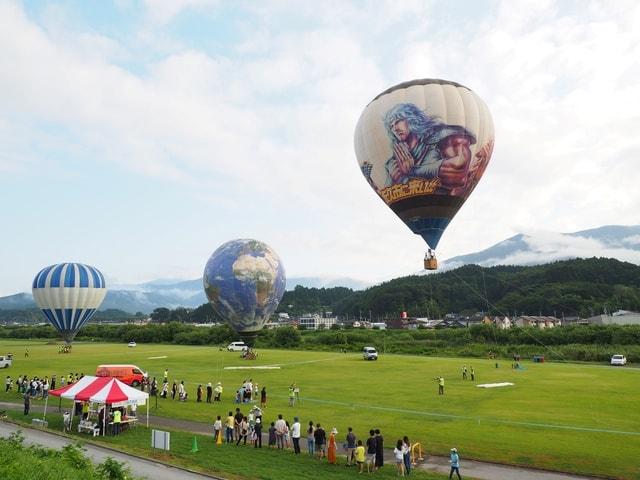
{"x": 139, "y": 467}
{"x": 469, "y": 468}
{"x": 492, "y": 471}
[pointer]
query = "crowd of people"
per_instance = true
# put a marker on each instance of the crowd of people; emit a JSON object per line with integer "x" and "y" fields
{"x": 366, "y": 454}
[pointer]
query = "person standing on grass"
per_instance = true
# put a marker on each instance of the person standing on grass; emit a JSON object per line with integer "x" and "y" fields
{"x": 295, "y": 435}
{"x": 181, "y": 390}
{"x": 218, "y": 392}
{"x": 117, "y": 419}
{"x": 311, "y": 441}
{"x": 281, "y": 427}
{"x": 406, "y": 445}
{"x": 371, "y": 451}
{"x": 296, "y": 392}
{"x": 332, "y": 450}
{"x": 464, "y": 372}
{"x": 209, "y": 392}
{"x": 440, "y": 381}
{"x": 379, "y": 449}
{"x": 174, "y": 389}
{"x": 263, "y": 397}
{"x": 199, "y": 393}
{"x": 165, "y": 390}
{"x": 258, "y": 433}
{"x": 272, "y": 435}
{"x": 230, "y": 423}
{"x": 292, "y": 396}
{"x": 244, "y": 431}
{"x": 320, "y": 439}
{"x": 217, "y": 428}
{"x": 7, "y": 383}
{"x": 455, "y": 463}
{"x": 238, "y": 420}
{"x": 287, "y": 434}
{"x": 473, "y": 373}
{"x": 351, "y": 446}
{"x": 398, "y": 455}
{"x": 360, "y": 457}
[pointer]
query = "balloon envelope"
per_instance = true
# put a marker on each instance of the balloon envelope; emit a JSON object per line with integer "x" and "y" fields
{"x": 244, "y": 281}
{"x": 69, "y": 294}
{"x": 423, "y": 146}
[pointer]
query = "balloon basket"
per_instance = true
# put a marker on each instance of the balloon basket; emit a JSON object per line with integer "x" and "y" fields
{"x": 431, "y": 263}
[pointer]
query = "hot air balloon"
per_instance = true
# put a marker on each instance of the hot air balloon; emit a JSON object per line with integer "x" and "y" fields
{"x": 244, "y": 281}
{"x": 423, "y": 146}
{"x": 69, "y": 294}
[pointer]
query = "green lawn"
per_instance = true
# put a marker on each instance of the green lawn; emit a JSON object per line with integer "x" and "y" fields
{"x": 570, "y": 417}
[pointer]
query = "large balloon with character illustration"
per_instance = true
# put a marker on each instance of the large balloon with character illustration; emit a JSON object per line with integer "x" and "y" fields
{"x": 244, "y": 281}
{"x": 423, "y": 146}
{"x": 69, "y": 294}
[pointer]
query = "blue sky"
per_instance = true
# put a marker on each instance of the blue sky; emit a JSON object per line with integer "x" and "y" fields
{"x": 139, "y": 136}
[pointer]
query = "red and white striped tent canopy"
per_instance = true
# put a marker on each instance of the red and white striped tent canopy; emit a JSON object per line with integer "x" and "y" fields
{"x": 104, "y": 390}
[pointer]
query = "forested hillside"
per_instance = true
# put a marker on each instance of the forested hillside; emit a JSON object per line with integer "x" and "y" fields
{"x": 581, "y": 287}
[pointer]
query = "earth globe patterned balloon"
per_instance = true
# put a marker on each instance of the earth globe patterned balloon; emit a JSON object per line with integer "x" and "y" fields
{"x": 244, "y": 281}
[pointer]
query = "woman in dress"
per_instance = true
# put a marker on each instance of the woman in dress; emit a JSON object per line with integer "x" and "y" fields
{"x": 263, "y": 397}
{"x": 333, "y": 448}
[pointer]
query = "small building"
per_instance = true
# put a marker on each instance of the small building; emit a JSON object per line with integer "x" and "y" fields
{"x": 537, "y": 321}
{"x": 316, "y": 322}
{"x": 621, "y": 317}
{"x": 502, "y": 323}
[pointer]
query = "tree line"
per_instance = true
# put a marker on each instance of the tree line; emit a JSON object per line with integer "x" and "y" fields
{"x": 579, "y": 287}
{"x": 576, "y": 342}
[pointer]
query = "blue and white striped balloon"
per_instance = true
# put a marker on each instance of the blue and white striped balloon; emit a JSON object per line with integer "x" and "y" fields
{"x": 69, "y": 294}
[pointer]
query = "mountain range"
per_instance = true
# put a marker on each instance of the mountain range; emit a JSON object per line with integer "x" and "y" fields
{"x": 612, "y": 241}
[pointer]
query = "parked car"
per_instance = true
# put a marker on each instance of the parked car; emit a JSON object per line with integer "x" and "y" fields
{"x": 129, "y": 374}
{"x": 369, "y": 353}
{"x": 131, "y": 344}
{"x": 618, "y": 360}
{"x": 237, "y": 347}
{"x": 6, "y": 361}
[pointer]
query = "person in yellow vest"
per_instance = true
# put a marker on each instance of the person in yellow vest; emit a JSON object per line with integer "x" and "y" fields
{"x": 117, "y": 418}
{"x": 360, "y": 456}
{"x": 85, "y": 410}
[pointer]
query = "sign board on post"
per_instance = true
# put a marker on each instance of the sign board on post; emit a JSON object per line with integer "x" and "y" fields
{"x": 160, "y": 439}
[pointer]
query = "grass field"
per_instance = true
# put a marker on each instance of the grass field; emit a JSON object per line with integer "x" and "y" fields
{"x": 571, "y": 417}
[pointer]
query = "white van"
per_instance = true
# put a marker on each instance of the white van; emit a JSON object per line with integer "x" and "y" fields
{"x": 369, "y": 353}
{"x": 237, "y": 347}
{"x": 6, "y": 361}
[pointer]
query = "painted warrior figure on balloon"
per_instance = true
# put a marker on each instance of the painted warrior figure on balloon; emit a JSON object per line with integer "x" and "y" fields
{"x": 423, "y": 146}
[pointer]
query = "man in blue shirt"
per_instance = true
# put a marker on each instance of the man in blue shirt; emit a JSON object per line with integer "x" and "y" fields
{"x": 455, "y": 463}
